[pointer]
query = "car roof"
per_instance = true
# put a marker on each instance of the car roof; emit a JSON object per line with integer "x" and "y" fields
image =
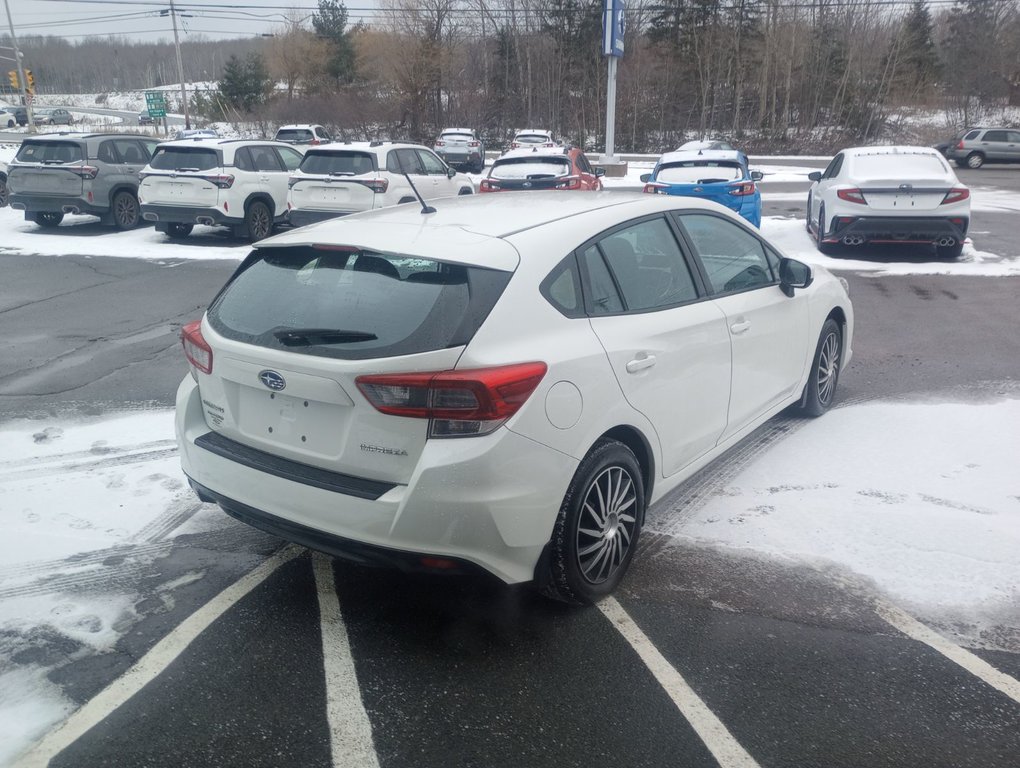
{"x": 71, "y": 135}
{"x": 542, "y": 131}
{"x": 456, "y": 130}
{"x": 693, "y": 155}
{"x": 511, "y": 154}
{"x": 213, "y": 142}
{"x": 298, "y": 126}
{"x": 895, "y": 149}
{"x": 463, "y": 227}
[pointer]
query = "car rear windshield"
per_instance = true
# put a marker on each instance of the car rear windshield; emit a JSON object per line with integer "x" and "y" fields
{"x": 49, "y": 152}
{"x": 886, "y": 166}
{"x": 701, "y": 172}
{"x": 338, "y": 163}
{"x": 353, "y": 304}
{"x": 295, "y": 135}
{"x": 530, "y": 168}
{"x": 531, "y": 138}
{"x": 457, "y": 136}
{"x": 185, "y": 159}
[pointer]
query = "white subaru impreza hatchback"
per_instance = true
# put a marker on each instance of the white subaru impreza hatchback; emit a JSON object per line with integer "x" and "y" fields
{"x": 505, "y": 383}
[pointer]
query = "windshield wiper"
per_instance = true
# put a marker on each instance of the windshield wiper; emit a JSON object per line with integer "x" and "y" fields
{"x": 303, "y": 337}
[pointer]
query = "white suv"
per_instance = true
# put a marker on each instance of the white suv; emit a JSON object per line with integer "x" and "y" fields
{"x": 235, "y": 183}
{"x": 338, "y": 179}
{"x": 533, "y": 137}
{"x": 309, "y": 135}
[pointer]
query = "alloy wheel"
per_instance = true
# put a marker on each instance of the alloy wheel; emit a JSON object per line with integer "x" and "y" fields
{"x": 605, "y": 529}
{"x": 828, "y": 368}
{"x": 126, "y": 211}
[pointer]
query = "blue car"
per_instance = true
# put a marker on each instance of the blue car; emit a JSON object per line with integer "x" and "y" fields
{"x": 719, "y": 175}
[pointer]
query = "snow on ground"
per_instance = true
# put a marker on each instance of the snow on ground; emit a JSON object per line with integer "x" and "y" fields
{"x": 921, "y": 498}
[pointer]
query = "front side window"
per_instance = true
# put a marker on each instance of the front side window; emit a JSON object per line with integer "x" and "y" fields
{"x": 733, "y": 258}
{"x": 290, "y": 158}
{"x": 352, "y": 304}
{"x": 130, "y": 151}
{"x": 432, "y": 164}
{"x": 404, "y": 161}
{"x": 266, "y": 159}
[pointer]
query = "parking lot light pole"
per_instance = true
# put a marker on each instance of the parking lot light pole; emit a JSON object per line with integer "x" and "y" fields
{"x": 21, "y": 70}
{"x": 180, "y": 65}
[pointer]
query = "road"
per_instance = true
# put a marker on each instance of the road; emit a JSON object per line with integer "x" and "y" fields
{"x": 707, "y": 657}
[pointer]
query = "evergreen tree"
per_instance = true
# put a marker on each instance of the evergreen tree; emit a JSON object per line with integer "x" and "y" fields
{"x": 245, "y": 84}
{"x": 917, "y": 66}
{"x": 330, "y": 24}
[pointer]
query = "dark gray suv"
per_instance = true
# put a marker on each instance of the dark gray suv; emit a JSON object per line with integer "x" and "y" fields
{"x": 92, "y": 173}
{"x": 978, "y": 146}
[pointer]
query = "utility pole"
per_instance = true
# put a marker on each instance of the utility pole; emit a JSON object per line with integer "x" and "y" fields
{"x": 180, "y": 65}
{"x": 21, "y": 70}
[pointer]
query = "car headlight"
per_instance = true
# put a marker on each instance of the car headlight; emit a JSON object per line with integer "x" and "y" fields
{"x": 845, "y": 284}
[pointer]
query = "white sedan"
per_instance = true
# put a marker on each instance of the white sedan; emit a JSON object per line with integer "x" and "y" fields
{"x": 889, "y": 195}
{"x": 502, "y": 384}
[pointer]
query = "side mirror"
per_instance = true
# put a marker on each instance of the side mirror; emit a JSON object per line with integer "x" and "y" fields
{"x": 794, "y": 274}
{"x": 450, "y": 173}
{"x": 645, "y": 178}
{"x": 757, "y": 175}
{"x": 600, "y": 171}
{"x": 815, "y": 175}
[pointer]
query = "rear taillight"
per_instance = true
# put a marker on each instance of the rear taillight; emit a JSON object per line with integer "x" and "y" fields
{"x": 852, "y": 195}
{"x": 85, "y": 171}
{"x": 570, "y": 182}
{"x": 474, "y": 143}
{"x": 955, "y": 195}
{"x": 654, "y": 188}
{"x": 514, "y": 145}
{"x": 315, "y": 142}
{"x": 959, "y": 144}
{"x": 457, "y": 403}
{"x": 488, "y": 185}
{"x": 222, "y": 180}
{"x": 377, "y": 185}
{"x": 742, "y": 188}
{"x": 440, "y": 143}
{"x": 199, "y": 353}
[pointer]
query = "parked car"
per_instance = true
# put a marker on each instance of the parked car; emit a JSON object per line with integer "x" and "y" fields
{"x": 978, "y": 146}
{"x": 3, "y": 184}
{"x": 196, "y": 133}
{"x": 52, "y": 117}
{"x": 236, "y": 183}
{"x": 546, "y": 168}
{"x": 338, "y": 179}
{"x": 889, "y": 195}
{"x": 312, "y": 135}
{"x": 706, "y": 144}
{"x": 533, "y": 137}
{"x": 461, "y": 148}
{"x": 711, "y": 174}
{"x": 19, "y": 115}
{"x": 145, "y": 119}
{"x": 498, "y": 385}
{"x": 91, "y": 173}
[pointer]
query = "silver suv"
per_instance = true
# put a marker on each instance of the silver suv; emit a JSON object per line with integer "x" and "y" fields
{"x": 986, "y": 145}
{"x": 91, "y": 173}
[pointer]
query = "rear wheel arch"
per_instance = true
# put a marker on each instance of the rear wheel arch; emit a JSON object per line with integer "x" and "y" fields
{"x": 639, "y": 445}
{"x": 114, "y": 191}
{"x": 261, "y": 197}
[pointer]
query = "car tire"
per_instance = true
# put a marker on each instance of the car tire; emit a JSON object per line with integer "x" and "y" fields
{"x": 807, "y": 216}
{"x": 48, "y": 218}
{"x": 466, "y": 191}
{"x": 478, "y": 167}
{"x": 597, "y": 526}
{"x": 949, "y": 252}
{"x": 975, "y": 160}
{"x": 10, "y": 123}
{"x": 258, "y": 221}
{"x": 178, "y": 231}
{"x": 4, "y": 196}
{"x": 823, "y": 247}
{"x": 124, "y": 208}
{"x": 821, "y": 384}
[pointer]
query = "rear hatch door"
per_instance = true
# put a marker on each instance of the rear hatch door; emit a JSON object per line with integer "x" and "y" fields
{"x": 297, "y": 326}
{"x": 715, "y": 181}
{"x": 336, "y": 180}
{"x": 530, "y": 172}
{"x": 47, "y": 168}
{"x": 185, "y": 176}
{"x": 903, "y": 183}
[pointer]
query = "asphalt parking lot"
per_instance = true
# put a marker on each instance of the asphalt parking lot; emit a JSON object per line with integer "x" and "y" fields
{"x": 238, "y": 651}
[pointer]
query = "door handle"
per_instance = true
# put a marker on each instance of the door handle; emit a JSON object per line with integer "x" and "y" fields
{"x": 738, "y": 328}
{"x": 640, "y": 363}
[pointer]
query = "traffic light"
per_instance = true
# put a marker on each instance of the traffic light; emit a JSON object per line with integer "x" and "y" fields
{"x": 13, "y": 77}
{"x": 29, "y": 82}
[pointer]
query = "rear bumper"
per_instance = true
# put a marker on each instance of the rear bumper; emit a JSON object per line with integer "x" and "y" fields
{"x": 877, "y": 229}
{"x": 300, "y": 217}
{"x": 464, "y": 502}
{"x": 55, "y": 204}
{"x": 174, "y": 214}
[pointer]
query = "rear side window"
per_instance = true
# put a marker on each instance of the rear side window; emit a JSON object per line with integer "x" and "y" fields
{"x": 49, "y": 152}
{"x": 353, "y": 304}
{"x": 185, "y": 159}
{"x": 343, "y": 163}
{"x": 972, "y": 135}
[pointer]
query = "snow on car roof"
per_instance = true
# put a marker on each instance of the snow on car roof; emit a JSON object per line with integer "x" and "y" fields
{"x": 299, "y": 126}
{"x": 535, "y": 152}
{"x": 455, "y": 130}
{"x": 889, "y": 150}
{"x": 694, "y": 155}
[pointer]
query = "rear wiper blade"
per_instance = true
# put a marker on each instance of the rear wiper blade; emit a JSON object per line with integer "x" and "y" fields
{"x": 186, "y": 170}
{"x": 303, "y": 337}
{"x": 342, "y": 173}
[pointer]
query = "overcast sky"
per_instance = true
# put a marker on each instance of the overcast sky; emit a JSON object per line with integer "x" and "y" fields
{"x": 140, "y": 19}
